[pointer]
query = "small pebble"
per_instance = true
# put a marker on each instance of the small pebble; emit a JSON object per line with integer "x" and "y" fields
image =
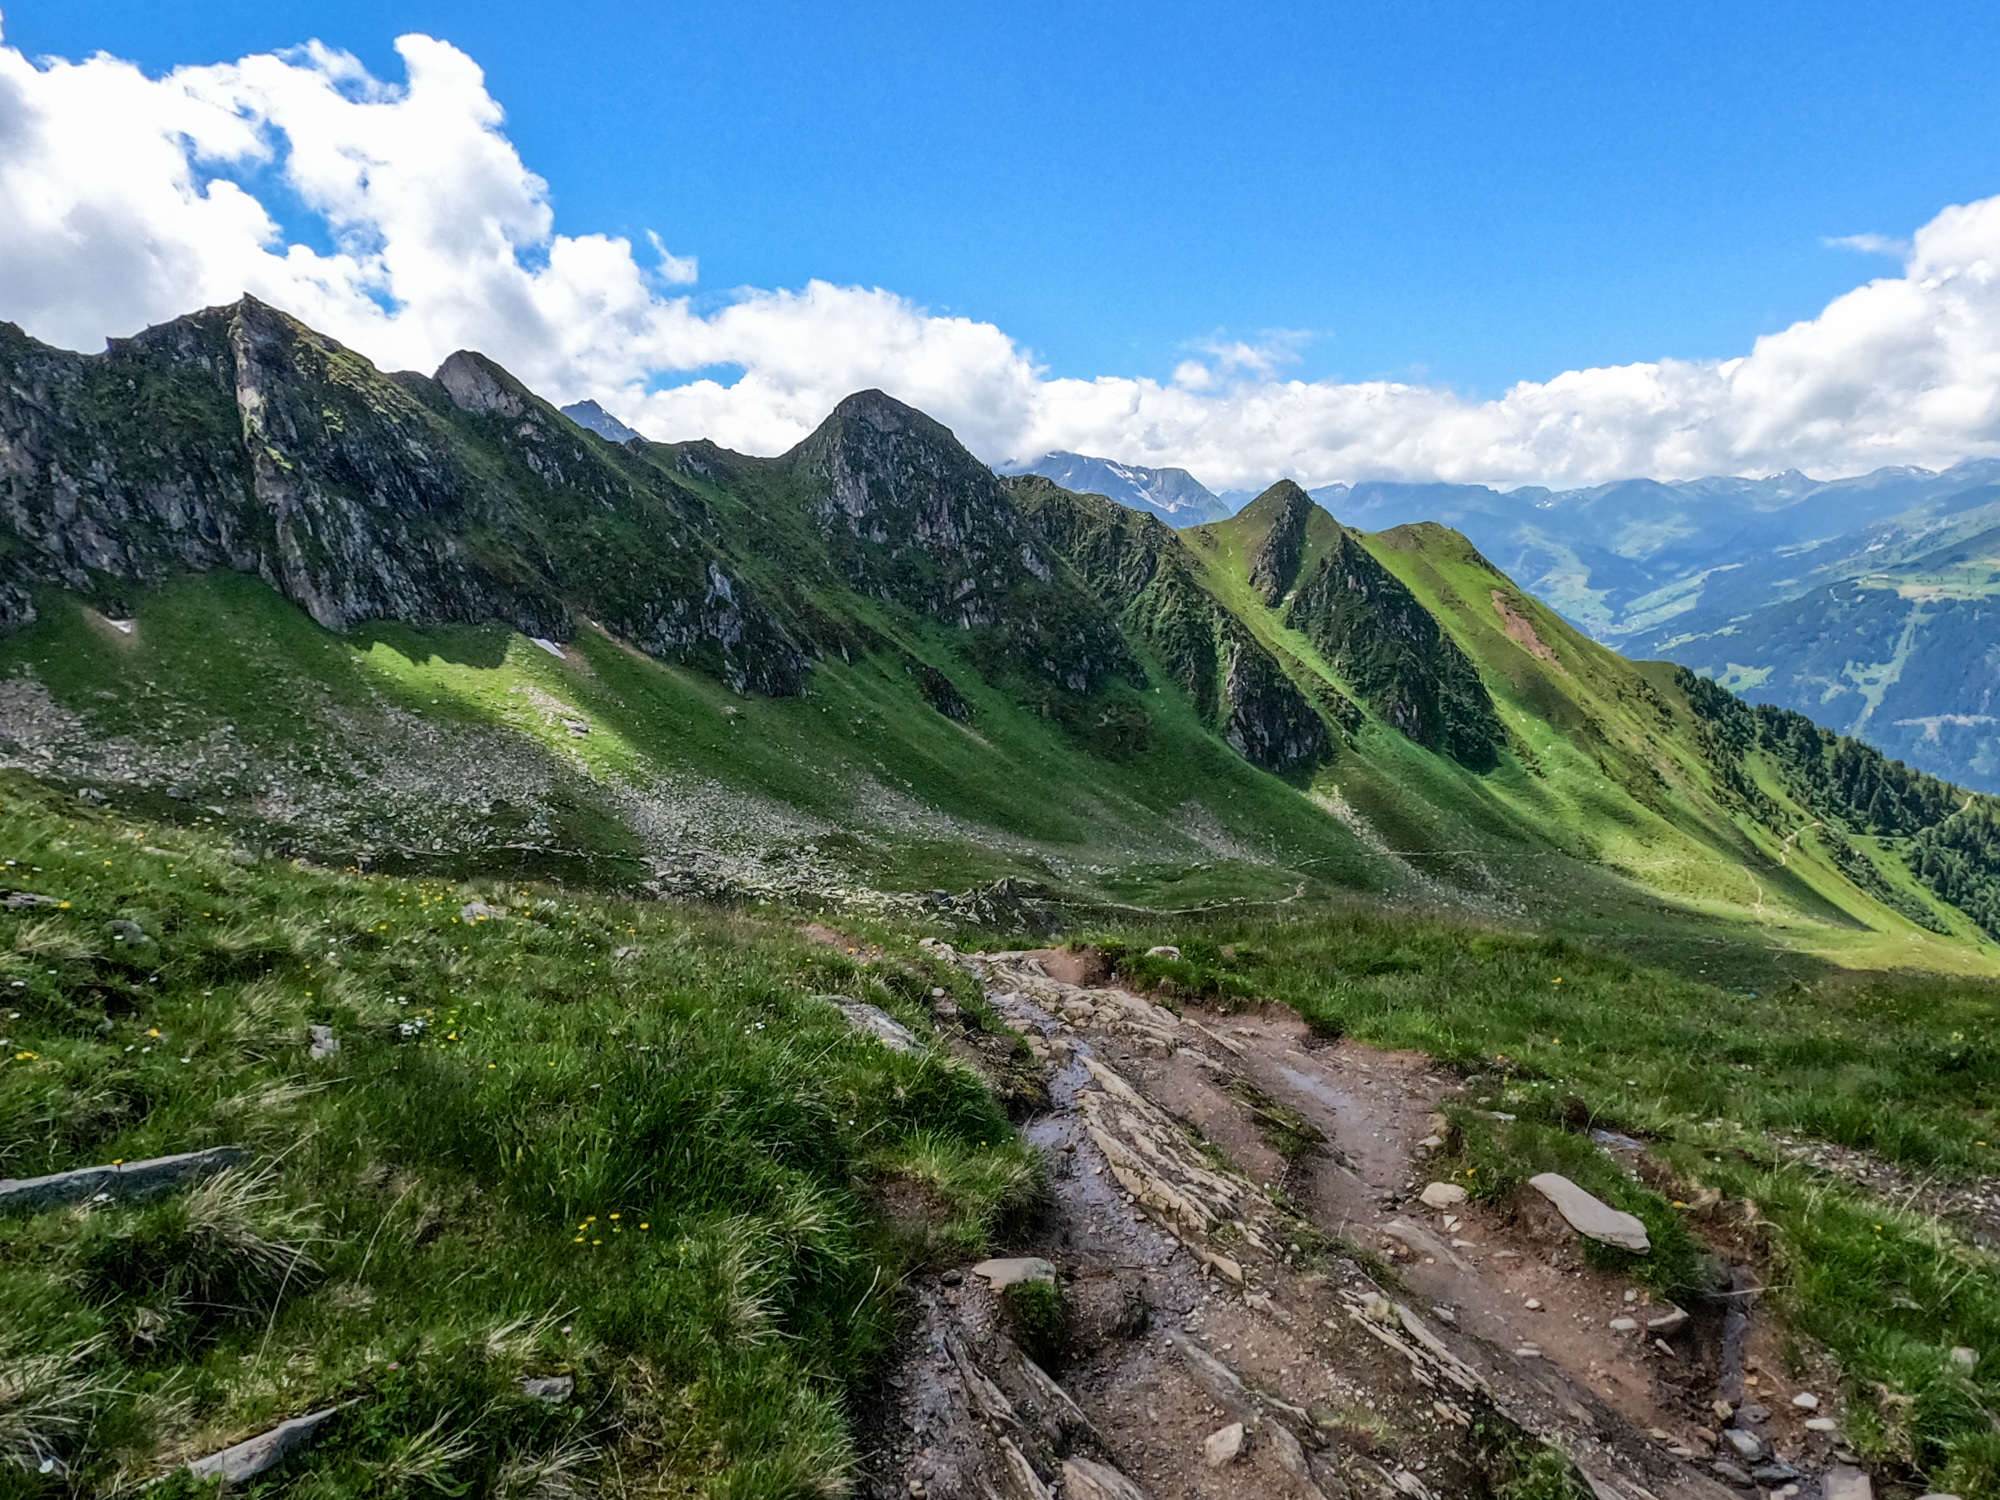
{"x": 1806, "y": 1401}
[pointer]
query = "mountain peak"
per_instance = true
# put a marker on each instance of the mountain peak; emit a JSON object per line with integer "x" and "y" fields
{"x": 1277, "y": 520}
{"x": 594, "y": 418}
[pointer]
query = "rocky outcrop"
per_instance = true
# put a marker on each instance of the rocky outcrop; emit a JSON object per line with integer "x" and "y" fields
{"x": 910, "y": 517}
{"x": 237, "y": 438}
{"x": 1280, "y": 515}
{"x": 1393, "y": 653}
{"x": 1140, "y": 566}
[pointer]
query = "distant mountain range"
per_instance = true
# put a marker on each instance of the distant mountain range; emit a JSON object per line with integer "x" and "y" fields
{"x": 428, "y": 622}
{"x": 1871, "y": 604}
{"x": 1174, "y": 495}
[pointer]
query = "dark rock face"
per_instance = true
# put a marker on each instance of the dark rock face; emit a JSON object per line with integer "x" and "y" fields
{"x": 910, "y": 517}
{"x": 1265, "y": 717}
{"x": 238, "y": 438}
{"x": 1274, "y": 563}
{"x": 1391, "y": 650}
{"x": 1140, "y": 566}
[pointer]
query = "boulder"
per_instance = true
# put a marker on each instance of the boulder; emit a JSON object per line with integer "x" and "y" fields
{"x": 1443, "y": 1195}
{"x": 1748, "y": 1446}
{"x": 1223, "y": 1446}
{"x": 1001, "y": 1274}
{"x": 874, "y": 1021}
{"x": 261, "y": 1454}
{"x": 122, "y": 1181}
{"x": 1591, "y": 1216}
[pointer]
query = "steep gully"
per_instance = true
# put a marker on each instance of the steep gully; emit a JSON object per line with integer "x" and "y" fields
{"x": 1365, "y": 1343}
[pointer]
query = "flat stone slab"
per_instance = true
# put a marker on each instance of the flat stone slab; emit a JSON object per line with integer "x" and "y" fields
{"x": 122, "y": 1182}
{"x": 1001, "y": 1274}
{"x": 264, "y": 1452}
{"x": 1443, "y": 1194}
{"x": 876, "y": 1022}
{"x": 1590, "y": 1216}
{"x": 1087, "y": 1479}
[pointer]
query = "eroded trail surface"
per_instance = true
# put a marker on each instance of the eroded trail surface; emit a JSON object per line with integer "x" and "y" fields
{"x": 1216, "y": 1282}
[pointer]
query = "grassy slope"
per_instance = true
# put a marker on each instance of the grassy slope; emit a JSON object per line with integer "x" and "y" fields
{"x": 861, "y": 767}
{"x": 1602, "y": 720}
{"x": 657, "y": 1173}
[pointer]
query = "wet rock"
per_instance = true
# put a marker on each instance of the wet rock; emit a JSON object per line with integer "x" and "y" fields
{"x": 1845, "y": 1482}
{"x": 1223, "y": 1446}
{"x": 1443, "y": 1195}
{"x": 324, "y": 1042}
{"x": 875, "y": 1022}
{"x": 123, "y": 1181}
{"x": 1591, "y": 1216}
{"x": 261, "y": 1454}
{"x": 554, "y": 1389}
{"x": 1001, "y": 1274}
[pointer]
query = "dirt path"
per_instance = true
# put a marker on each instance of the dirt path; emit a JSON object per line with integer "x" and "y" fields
{"x": 1212, "y": 1280}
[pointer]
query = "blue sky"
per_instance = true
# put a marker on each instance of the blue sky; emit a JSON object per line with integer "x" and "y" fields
{"x": 1470, "y": 194}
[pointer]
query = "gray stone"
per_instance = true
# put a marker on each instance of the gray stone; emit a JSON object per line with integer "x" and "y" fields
{"x": 875, "y": 1022}
{"x": 1963, "y": 1357}
{"x": 324, "y": 1042}
{"x": 1001, "y": 1274}
{"x": 263, "y": 1453}
{"x": 1223, "y": 1446}
{"x": 26, "y": 901}
{"x": 1087, "y": 1479}
{"x": 554, "y": 1389}
{"x": 1591, "y": 1216}
{"x": 1443, "y": 1195}
{"x": 1749, "y": 1447}
{"x": 1734, "y": 1474}
{"x": 1777, "y": 1471}
{"x": 124, "y": 1182}
{"x": 1845, "y": 1482}
{"x": 1670, "y": 1321}
{"x": 479, "y": 911}
{"x": 128, "y": 932}
{"x": 1163, "y": 950}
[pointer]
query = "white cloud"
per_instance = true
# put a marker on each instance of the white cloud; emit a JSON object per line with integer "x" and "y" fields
{"x": 1869, "y": 244}
{"x": 120, "y": 205}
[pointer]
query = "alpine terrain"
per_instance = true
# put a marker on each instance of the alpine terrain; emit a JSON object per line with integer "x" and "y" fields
{"x": 549, "y": 963}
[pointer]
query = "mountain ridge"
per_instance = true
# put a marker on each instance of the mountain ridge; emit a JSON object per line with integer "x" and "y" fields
{"x": 866, "y": 662}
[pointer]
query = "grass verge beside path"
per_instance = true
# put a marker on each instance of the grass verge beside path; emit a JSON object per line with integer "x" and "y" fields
{"x": 616, "y": 1141}
{"x": 1562, "y": 1037}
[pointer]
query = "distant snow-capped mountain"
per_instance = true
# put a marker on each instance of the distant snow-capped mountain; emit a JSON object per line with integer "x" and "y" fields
{"x": 1174, "y": 495}
{"x": 589, "y": 414}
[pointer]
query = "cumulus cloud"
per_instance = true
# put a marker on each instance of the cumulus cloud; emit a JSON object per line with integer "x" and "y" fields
{"x": 127, "y": 199}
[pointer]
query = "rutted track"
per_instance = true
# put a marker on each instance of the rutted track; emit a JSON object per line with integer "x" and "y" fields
{"x": 1210, "y": 1284}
